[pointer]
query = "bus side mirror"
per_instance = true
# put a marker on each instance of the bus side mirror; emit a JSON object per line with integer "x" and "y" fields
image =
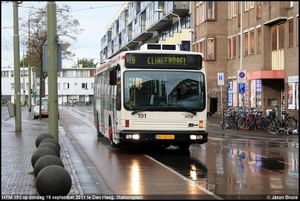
{"x": 113, "y": 77}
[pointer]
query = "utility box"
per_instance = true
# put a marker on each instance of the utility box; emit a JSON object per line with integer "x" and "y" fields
{"x": 11, "y": 109}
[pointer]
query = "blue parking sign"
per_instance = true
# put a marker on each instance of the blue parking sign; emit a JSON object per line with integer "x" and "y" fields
{"x": 242, "y": 88}
{"x": 220, "y": 78}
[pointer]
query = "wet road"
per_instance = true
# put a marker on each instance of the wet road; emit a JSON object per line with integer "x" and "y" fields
{"x": 226, "y": 167}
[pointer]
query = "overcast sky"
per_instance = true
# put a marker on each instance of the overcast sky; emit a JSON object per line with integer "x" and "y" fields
{"x": 93, "y": 17}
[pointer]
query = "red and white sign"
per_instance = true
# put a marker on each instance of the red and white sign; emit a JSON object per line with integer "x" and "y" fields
{"x": 241, "y": 76}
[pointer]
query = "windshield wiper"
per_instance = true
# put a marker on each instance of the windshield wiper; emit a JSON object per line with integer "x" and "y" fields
{"x": 147, "y": 108}
{"x": 187, "y": 110}
{"x": 143, "y": 109}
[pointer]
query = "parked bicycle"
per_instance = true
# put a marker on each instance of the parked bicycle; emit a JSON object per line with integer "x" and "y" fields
{"x": 275, "y": 125}
{"x": 259, "y": 121}
{"x": 248, "y": 121}
{"x": 230, "y": 117}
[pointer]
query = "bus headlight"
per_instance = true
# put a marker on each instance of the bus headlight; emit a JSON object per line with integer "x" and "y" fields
{"x": 196, "y": 137}
{"x": 133, "y": 136}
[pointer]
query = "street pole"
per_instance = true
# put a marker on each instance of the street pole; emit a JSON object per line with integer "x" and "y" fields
{"x": 52, "y": 40}
{"x": 241, "y": 52}
{"x": 179, "y": 25}
{"x": 23, "y": 85}
{"x": 179, "y": 30}
{"x": 29, "y": 68}
{"x": 17, "y": 102}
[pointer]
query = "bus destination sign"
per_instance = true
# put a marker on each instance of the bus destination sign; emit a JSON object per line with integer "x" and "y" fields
{"x": 163, "y": 61}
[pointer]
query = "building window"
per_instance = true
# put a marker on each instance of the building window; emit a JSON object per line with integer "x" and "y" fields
{"x": 258, "y": 40}
{"x": 297, "y": 30}
{"x": 202, "y": 12}
{"x": 12, "y": 85}
{"x": 206, "y": 11}
{"x": 84, "y": 86}
{"x": 232, "y": 47}
{"x": 202, "y": 48}
{"x": 258, "y": 15}
{"x": 210, "y": 10}
{"x": 252, "y": 42}
{"x": 207, "y": 48}
{"x": 246, "y": 5}
{"x": 232, "y": 9}
{"x": 246, "y": 44}
{"x": 291, "y": 33}
{"x": 229, "y": 48}
{"x": 239, "y": 45}
{"x": 210, "y": 49}
{"x": 277, "y": 37}
{"x": 66, "y": 85}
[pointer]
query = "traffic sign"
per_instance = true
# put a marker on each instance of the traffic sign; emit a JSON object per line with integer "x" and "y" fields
{"x": 220, "y": 78}
{"x": 242, "y": 88}
{"x": 241, "y": 78}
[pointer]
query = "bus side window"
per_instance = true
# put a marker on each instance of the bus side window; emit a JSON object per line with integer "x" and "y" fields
{"x": 113, "y": 77}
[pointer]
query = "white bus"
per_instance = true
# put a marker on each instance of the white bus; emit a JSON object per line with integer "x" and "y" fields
{"x": 152, "y": 96}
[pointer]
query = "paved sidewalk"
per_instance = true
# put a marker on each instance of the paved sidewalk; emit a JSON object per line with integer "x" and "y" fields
{"x": 17, "y": 148}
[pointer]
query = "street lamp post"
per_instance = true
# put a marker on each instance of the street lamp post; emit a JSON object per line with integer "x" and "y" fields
{"x": 23, "y": 84}
{"x": 29, "y": 67}
{"x": 179, "y": 25}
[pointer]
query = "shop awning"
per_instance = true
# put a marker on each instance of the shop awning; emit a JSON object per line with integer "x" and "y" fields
{"x": 265, "y": 74}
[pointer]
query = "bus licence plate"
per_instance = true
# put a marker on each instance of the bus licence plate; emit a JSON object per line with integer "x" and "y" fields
{"x": 165, "y": 137}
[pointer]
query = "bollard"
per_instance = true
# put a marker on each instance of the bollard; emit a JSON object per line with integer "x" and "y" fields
{"x": 41, "y": 137}
{"x": 45, "y": 161}
{"x": 52, "y": 146}
{"x": 51, "y": 140}
{"x": 42, "y": 151}
{"x": 53, "y": 180}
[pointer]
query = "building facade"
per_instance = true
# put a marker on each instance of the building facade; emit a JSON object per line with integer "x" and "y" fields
{"x": 73, "y": 84}
{"x": 254, "y": 44}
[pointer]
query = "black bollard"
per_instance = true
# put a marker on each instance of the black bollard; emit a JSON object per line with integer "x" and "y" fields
{"x": 42, "y": 151}
{"x": 52, "y": 146}
{"x": 45, "y": 161}
{"x": 53, "y": 180}
{"x": 41, "y": 137}
{"x": 51, "y": 140}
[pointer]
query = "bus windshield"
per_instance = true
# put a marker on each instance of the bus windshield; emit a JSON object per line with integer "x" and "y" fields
{"x": 164, "y": 91}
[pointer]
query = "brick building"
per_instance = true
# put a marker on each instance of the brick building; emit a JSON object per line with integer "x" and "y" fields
{"x": 269, "y": 45}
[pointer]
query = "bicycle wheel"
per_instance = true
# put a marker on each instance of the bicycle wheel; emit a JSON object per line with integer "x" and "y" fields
{"x": 271, "y": 126}
{"x": 225, "y": 123}
{"x": 244, "y": 123}
{"x": 291, "y": 124}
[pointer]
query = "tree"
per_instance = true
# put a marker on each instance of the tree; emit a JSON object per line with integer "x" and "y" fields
{"x": 86, "y": 63}
{"x": 36, "y": 28}
{"x": 67, "y": 29}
